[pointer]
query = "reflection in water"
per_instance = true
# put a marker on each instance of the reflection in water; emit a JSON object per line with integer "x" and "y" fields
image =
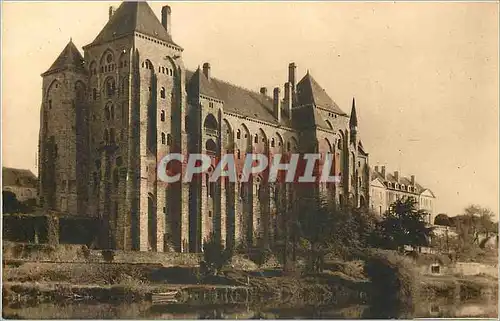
{"x": 486, "y": 307}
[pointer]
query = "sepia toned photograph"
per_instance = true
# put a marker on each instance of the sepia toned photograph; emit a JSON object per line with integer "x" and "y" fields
{"x": 250, "y": 160}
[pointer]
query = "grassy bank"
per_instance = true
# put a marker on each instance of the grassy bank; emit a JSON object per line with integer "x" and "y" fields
{"x": 49, "y": 282}
{"x": 383, "y": 279}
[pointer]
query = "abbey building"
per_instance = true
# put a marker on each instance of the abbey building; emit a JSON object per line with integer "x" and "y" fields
{"x": 109, "y": 116}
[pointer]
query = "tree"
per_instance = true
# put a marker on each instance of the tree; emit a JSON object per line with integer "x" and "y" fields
{"x": 442, "y": 219}
{"x": 315, "y": 225}
{"x": 404, "y": 225}
{"x": 10, "y": 204}
{"x": 473, "y": 227}
{"x": 215, "y": 255}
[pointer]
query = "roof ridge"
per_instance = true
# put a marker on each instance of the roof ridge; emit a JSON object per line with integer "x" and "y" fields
{"x": 231, "y": 84}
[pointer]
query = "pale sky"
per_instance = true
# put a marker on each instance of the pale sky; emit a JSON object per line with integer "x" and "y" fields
{"x": 425, "y": 75}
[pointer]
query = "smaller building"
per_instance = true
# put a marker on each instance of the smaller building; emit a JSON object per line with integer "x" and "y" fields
{"x": 22, "y": 182}
{"x": 386, "y": 188}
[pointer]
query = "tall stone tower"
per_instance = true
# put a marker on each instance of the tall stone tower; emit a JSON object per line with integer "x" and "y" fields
{"x": 136, "y": 103}
{"x": 64, "y": 135}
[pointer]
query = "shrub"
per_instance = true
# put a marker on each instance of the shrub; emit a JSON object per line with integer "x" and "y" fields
{"x": 393, "y": 282}
{"x": 108, "y": 255}
{"x": 215, "y": 255}
{"x": 260, "y": 255}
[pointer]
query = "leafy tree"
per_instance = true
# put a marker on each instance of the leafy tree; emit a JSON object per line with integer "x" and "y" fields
{"x": 10, "y": 204}
{"x": 315, "y": 225}
{"x": 215, "y": 255}
{"x": 473, "y": 227}
{"x": 260, "y": 255}
{"x": 404, "y": 225}
{"x": 442, "y": 219}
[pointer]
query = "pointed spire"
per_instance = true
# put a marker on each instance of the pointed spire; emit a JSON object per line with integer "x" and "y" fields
{"x": 69, "y": 57}
{"x": 353, "y": 122}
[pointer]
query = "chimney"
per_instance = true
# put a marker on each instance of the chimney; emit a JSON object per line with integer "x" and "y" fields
{"x": 206, "y": 70}
{"x": 383, "y": 172}
{"x": 263, "y": 91}
{"x": 166, "y": 20}
{"x": 376, "y": 169}
{"x": 111, "y": 11}
{"x": 412, "y": 179}
{"x": 276, "y": 103}
{"x": 292, "y": 79}
{"x": 396, "y": 176}
{"x": 288, "y": 99}
{"x": 292, "y": 70}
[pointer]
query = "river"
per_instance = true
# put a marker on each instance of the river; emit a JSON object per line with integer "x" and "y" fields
{"x": 442, "y": 308}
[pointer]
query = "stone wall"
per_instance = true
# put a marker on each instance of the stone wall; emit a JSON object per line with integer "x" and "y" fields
{"x": 460, "y": 268}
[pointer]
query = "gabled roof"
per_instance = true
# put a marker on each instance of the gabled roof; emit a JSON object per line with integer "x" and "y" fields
{"x": 70, "y": 57}
{"x": 236, "y": 99}
{"x": 18, "y": 177}
{"x": 133, "y": 17}
{"x": 309, "y": 92}
{"x": 198, "y": 83}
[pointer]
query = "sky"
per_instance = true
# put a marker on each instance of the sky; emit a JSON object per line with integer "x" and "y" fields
{"x": 424, "y": 75}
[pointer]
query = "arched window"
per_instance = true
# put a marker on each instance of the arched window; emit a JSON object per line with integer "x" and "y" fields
{"x": 288, "y": 146}
{"x": 110, "y": 87}
{"x": 116, "y": 178}
{"x": 107, "y": 112}
{"x": 94, "y": 94}
{"x": 162, "y": 115}
{"x": 112, "y": 109}
{"x": 112, "y": 136}
{"x": 238, "y": 154}
{"x": 106, "y": 137}
{"x": 163, "y": 139}
{"x": 256, "y": 139}
{"x": 272, "y": 142}
{"x": 162, "y": 92}
{"x": 162, "y": 70}
{"x": 210, "y": 146}
{"x": 238, "y": 134}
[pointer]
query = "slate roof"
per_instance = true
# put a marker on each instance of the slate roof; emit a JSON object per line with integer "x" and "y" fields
{"x": 389, "y": 177}
{"x": 236, "y": 99}
{"x": 310, "y": 92}
{"x": 133, "y": 17}
{"x": 18, "y": 177}
{"x": 69, "y": 57}
{"x": 361, "y": 149}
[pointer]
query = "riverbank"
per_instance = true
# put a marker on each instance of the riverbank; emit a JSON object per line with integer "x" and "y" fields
{"x": 39, "y": 275}
{"x": 117, "y": 282}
